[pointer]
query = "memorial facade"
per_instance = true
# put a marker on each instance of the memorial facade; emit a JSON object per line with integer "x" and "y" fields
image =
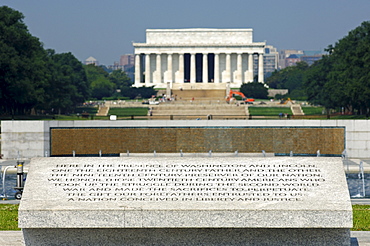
{"x": 198, "y": 55}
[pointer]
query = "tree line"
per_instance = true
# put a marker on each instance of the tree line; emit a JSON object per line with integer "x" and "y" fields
{"x": 341, "y": 79}
{"x": 36, "y": 79}
{"x": 113, "y": 85}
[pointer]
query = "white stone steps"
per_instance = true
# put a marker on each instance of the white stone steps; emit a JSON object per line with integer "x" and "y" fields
{"x": 296, "y": 109}
{"x": 103, "y": 111}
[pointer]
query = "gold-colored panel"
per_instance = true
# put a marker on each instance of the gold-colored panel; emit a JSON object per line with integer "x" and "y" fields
{"x": 89, "y": 141}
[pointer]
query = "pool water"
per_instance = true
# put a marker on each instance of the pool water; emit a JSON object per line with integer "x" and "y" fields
{"x": 10, "y": 183}
{"x": 356, "y": 185}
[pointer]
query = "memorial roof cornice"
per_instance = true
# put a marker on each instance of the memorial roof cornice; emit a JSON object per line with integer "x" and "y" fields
{"x": 202, "y": 30}
{"x": 255, "y": 44}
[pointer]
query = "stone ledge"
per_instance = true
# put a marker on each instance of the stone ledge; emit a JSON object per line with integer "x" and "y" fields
{"x": 181, "y": 218}
{"x": 188, "y": 237}
{"x": 237, "y": 203}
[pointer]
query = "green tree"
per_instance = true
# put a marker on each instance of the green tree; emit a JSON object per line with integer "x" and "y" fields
{"x": 343, "y": 75}
{"x": 254, "y": 90}
{"x": 22, "y": 65}
{"x": 317, "y": 83}
{"x": 121, "y": 81}
{"x": 351, "y": 57}
{"x": 101, "y": 86}
{"x": 141, "y": 92}
{"x": 290, "y": 78}
{"x": 146, "y": 92}
{"x": 68, "y": 84}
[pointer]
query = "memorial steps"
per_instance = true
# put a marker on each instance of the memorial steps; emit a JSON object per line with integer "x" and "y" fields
{"x": 199, "y": 91}
{"x": 296, "y": 109}
{"x": 199, "y": 100}
{"x": 103, "y": 111}
{"x": 199, "y": 86}
{"x": 197, "y": 110}
{"x": 202, "y": 95}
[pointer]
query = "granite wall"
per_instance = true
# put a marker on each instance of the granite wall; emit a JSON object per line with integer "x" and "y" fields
{"x": 279, "y": 140}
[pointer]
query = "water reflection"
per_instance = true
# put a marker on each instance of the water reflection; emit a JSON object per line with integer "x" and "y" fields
{"x": 10, "y": 183}
{"x": 357, "y": 185}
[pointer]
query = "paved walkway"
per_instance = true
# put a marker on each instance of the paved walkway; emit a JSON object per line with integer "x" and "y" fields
{"x": 11, "y": 238}
{"x": 360, "y": 238}
{"x": 353, "y": 165}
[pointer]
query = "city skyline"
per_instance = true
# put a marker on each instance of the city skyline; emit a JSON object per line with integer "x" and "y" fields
{"x": 106, "y": 30}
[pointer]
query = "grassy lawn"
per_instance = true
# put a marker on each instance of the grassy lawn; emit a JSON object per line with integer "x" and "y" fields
{"x": 56, "y": 117}
{"x": 312, "y": 110}
{"x": 128, "y": 111}
{"x": 264, "y": 111}
{"x": 361, "y": 217}
{"x": 9, "y": 217}
{"x": 348, "y": 117}
{"x": 26, "y": 117}
{"x": 79, "y": 110}
{"x": 75, "y": 117}
{"x": 125, "y": 113}
{"x": 89, "y": 110}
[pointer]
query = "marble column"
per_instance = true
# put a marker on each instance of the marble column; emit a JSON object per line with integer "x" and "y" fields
{"x": 159, "y": 69}
{"x": 217, "y": 68}
{"x": 205, "y": 68}
{"x": 147, "y": 70}
{"x": 181, "y": 68}
{"x": 260, "y": 68}
{"x": 169, "y": 67}
{"x": 192, "y": 68}
{"x": 250, "y": 68}
{"x": 239, "y": 68}
{"x": 137, "y": 70}
{"x": 228, "y": 68}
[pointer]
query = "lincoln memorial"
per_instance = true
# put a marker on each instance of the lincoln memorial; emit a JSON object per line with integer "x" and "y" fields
{"x": 211, "y": 58}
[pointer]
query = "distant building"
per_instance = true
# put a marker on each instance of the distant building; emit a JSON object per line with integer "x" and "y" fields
{"x": 270, "y": 61}
{"x": 115, "y": 66}
{"x": 292, "y": 60}
{"x": 291, "y": 57}
{"x": 127, "y": 60}
{"x": 311, "y": 56}
{"x": 311, "y": 59}
{"x": 91, "y": 60}
{"x": 127, "y": 64}
{"x": 284, "y": 54}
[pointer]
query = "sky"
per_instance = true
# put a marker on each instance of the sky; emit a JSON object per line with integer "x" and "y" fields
{"x": 106, "y": 29}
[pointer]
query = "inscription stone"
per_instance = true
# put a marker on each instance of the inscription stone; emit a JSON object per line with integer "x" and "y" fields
{"x": 182, "y": 181}
{"x": 189, "y": 192}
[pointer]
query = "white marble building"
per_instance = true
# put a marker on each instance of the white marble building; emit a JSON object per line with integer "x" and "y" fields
{"x": 197, "y": 55}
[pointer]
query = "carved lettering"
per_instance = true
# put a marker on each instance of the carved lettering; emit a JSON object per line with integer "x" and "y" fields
{"x": 161, "y": 182}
